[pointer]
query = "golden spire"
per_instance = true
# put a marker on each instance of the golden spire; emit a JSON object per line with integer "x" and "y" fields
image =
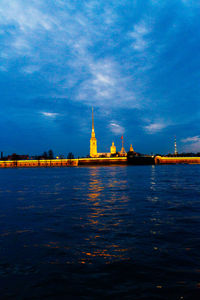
{"x": 92, "y": 120}
{"x": 93, "y": 133}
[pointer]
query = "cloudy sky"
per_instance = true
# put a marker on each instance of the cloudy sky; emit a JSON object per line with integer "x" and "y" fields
{"x": 137, "y": 62}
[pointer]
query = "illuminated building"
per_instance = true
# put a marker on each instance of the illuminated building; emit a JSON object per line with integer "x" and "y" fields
{"x": 113, "y": 152}
{"x": 113, "y": 149}
{"x": 93, "y": 140}
{"x": 131, "y": 148}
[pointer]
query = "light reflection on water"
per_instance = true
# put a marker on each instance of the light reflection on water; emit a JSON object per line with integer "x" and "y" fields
{"x": 130, "y": 231}
{"x": 101, "y": 217}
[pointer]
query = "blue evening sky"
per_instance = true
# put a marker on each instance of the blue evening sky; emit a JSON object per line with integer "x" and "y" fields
{"x": 137, "y": 62}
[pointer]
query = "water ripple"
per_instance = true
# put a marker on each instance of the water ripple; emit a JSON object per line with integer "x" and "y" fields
{"x": 100, "y": 232}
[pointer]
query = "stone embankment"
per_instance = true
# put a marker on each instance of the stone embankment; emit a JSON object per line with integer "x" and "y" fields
{"x": 146, "y": 160}
{"x": 176, "y": 160}
{"x": 62, "y": 162}
{"x": 38, "y": 163}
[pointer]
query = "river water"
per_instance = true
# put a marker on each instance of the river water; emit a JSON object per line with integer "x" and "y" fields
{"x": 125, "y": 232}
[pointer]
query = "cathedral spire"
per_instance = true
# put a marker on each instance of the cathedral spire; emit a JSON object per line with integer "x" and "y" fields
{"x": 93, "y": 123}
{"x": 92, "y": 120}
{"x": 93, "y": 133}
{"x": 122, "y": 152}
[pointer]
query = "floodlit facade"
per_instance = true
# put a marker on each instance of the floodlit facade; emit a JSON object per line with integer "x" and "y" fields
{"x": 93, "y": 146}
{"x": 93, "y": 140}
{"x": 113, "y": 149}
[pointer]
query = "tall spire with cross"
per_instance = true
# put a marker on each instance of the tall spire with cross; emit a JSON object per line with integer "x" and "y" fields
{"x": 93, "y": 140}
{"x": 93, "y": 133}
{"x": 122, "y": 152}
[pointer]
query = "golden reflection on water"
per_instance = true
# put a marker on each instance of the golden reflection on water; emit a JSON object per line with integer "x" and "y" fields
{"x": 95, "y": 185}
{"x": 102, "y": 218}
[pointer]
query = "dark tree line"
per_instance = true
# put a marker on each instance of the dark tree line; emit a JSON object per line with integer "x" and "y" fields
{"x": 48, "y": 155}
{"x": 70, "y": 155}
{"x": 45, "y": 155}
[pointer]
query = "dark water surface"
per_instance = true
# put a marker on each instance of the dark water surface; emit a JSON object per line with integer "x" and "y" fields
{"x": 100, "y": 233}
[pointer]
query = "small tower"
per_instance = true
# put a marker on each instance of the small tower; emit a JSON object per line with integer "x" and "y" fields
{"x": 113, "y": 149}
{"x": 131, "y": 148}
{"x": 122, "y": 152}
{"x": 93, "y": 140}
{"x": 175, "y": 147}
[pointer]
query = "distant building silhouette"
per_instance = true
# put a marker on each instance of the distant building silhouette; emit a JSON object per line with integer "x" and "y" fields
{"x": 175, "y": 147}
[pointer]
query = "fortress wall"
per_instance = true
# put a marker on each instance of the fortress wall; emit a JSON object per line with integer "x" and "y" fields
{"x": 92, "y": 161}
{"x": 62, "y": 162}
{"x": 39, "y": 163}
{"x": 177, "y": 160}
{"x": 103, "y": 161}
